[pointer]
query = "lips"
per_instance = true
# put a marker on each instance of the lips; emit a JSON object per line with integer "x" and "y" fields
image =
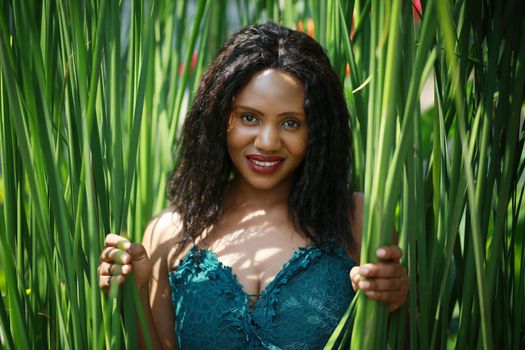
{"x": 264, "y": 164}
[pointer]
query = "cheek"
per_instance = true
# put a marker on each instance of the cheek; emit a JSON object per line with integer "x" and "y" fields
{"x": 231, "y": 144}
{"x": 298, "y": 144}
{"x": 237, "y": 138}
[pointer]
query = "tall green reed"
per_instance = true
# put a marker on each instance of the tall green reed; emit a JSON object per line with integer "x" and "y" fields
{"x": 459, "y": 204}
{"x": 78, "y": 159}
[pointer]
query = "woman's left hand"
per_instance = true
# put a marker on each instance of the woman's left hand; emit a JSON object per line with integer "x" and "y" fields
{"x": 386, "y": 280}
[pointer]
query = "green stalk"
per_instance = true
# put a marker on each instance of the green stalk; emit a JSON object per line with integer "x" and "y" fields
{"x": 446, "y": 25}
{"x": 200, "y": 16}
{"x": 508, "y": 163}
{"x": 14, "y": 330}
{"x": 116, "y": 121}
{"x": 371, "y": 315}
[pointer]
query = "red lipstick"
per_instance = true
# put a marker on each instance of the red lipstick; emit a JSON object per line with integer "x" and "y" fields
{"x": 264, "y": 164}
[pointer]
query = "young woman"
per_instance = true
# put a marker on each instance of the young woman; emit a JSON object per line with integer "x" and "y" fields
{"x": 259, "y": 248}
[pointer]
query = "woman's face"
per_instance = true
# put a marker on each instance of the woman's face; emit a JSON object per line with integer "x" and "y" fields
{"x": 267, "y": 133}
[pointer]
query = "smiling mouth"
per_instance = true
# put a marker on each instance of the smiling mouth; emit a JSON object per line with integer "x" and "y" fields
{"x": 264, "y": 164}
{"x": 259, "y": 163}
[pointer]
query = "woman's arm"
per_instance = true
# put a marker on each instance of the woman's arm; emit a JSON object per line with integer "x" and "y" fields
{"x": 159, "y": 240}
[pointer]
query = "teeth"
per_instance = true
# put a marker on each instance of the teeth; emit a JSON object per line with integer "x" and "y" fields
{"x": 264, "y": 163}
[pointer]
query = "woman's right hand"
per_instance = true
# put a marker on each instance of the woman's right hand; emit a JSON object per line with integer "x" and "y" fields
{"x": 118, "y": 259}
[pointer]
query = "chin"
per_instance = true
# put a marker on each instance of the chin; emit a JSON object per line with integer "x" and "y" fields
{"x": 264, "y": 186}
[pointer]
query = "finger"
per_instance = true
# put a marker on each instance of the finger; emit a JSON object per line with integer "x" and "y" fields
{"x": 105, "y": 255}
{"x": 391, "y": 296}
{"x": 104, "y": 269}
{"x": 355, "y": 277}
{"x": 395, "y": 305}
{"x": 391, "y": 252}
{"x": 114, "y": 255}
{"x": 117, "y": 241}
{"x": 107, "y": 269}
{"x": 382, "y": 270}
{"x": 354, "y": 273}
{"x": 126, "y": 269}
{"x": 105, "y": 282}
{"x": 383, "y": 284}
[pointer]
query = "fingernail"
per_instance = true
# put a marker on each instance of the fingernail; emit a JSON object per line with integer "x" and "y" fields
{"x": 122, "y": 258}
{"x": 123, "y": 245}
{"x": 363, "y": 271}
{"x": 370, "y": 293}
{"x": 381, "y": 253}
{"x": 364, "y": 285}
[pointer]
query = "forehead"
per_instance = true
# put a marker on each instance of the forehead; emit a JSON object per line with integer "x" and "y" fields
{"x": 272, "y": 90}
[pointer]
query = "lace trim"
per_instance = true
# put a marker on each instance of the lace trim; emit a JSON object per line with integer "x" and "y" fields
{"x": 250, "y": 317}
{"x": 300, "y": 260}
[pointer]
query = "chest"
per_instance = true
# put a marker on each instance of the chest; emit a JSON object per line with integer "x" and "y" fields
{"x": 255, "y": 246}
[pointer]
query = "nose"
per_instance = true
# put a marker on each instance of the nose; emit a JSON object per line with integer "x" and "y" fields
{"x": 268, "y": 139}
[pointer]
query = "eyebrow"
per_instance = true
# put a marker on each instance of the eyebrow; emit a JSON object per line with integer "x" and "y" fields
{"x": 261, "y": 113}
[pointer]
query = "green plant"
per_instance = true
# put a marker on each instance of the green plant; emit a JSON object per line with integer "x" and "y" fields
{"x": 459, "y": 205}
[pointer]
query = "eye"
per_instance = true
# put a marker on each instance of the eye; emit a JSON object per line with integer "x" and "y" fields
{"x": 291, "y": 124}
{"x": 248, "y": 118}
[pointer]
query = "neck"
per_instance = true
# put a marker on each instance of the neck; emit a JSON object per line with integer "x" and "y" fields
{"x": 241, "y": 194}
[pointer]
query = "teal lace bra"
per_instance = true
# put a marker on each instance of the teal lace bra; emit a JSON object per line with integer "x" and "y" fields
{"x": 299, "y": 309}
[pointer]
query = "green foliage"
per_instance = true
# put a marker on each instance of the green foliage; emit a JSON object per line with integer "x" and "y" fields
{"x": 92, "y": 96}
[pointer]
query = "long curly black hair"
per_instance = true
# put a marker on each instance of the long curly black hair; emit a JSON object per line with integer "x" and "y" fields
{"x": 320, "y": 200}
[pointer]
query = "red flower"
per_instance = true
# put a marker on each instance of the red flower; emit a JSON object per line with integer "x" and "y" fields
{"x": 192, "y": 64}
{"x": 310, "y": 27}
{"x": 417, "y": 10}
{"x": 300, "y": 26}
{"x": 352, "y": 29}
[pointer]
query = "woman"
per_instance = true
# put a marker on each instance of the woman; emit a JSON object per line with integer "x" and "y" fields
{"x": 259, "y": 246}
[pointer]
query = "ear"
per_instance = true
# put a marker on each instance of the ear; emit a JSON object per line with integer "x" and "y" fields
{"x": 229, "y": 126}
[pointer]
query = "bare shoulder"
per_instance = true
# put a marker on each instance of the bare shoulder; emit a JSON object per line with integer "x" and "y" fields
{"x": 162, "y": 233}
{"x": 160, "y": 238}
{"x": 162, "y": 227}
